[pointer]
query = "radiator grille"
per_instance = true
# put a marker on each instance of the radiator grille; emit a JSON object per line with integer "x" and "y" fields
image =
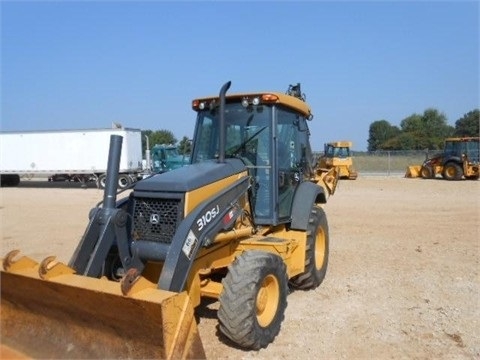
{"x": 156, "y": 219}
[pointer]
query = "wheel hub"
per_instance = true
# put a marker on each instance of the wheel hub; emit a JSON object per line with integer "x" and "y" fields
{"x": 267, "y": 300}
{"x": 319, "y": 250}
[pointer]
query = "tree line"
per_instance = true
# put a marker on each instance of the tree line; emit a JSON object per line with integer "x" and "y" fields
{"x": 421, "y": 131}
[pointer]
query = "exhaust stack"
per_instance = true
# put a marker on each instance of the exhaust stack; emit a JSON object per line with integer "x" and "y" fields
{"x": 223, "y": 91}
{"x": 113, "y": 167}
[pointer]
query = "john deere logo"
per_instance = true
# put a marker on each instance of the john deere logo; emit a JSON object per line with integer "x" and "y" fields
{"x": 154, "y": 219}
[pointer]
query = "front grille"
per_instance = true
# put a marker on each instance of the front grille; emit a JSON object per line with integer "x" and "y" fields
{"x": 156, "y": 219}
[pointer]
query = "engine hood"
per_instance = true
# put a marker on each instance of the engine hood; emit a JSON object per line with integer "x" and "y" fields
{"x": 191, "y": 177}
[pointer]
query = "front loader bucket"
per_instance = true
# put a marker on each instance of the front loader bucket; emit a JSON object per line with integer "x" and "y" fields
{"x": 64, "y": 315}
{"x": 328, "y": 179}
{"x": 413, "y": 171}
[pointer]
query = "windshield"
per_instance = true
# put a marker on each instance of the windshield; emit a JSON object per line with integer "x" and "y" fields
{"x": 171, "y": 152}
{"x": 458, "y": 148}
{"x": 248, "y": 134}
{"x": 454, "y": 148}
{"x": 341, "y": 152}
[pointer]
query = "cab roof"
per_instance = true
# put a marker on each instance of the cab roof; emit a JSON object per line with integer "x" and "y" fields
{"x": 292, "y": 102}
{"x": 343, "y": 143}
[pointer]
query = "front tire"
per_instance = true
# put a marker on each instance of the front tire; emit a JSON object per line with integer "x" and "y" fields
{"x": 254, "y": 299}
{"x": 427, "y": 172}
{"x": 317, "y": 250}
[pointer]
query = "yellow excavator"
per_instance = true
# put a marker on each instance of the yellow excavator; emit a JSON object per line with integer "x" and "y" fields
{"x": 241, "y": 223}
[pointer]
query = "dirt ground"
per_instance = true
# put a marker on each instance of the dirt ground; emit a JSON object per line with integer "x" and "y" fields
{"x": 403, "y": 277}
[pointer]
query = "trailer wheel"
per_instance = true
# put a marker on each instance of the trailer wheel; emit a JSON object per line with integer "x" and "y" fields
{"x": 9, "y": 180}
{"x": 452, "y": 171}
{"x": 317, "y": 250}
{"x": 101, "y": 181}
{"x": 124, "y": 181}
{"x": 254, "y": 299}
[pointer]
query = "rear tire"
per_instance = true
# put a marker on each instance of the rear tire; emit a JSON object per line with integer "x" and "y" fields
{"x": 254, "y": 299}
{"x": 452, "y": 171}
{"x": 317, "y": 250}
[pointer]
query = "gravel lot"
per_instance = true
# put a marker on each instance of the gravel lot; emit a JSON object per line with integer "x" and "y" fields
{"x": 403, "y": 278}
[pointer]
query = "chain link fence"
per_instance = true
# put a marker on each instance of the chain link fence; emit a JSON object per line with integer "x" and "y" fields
{"x": 387, "y": 163}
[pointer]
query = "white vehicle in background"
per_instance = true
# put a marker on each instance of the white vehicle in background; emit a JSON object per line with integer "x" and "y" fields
{"x": 68, "y": 155}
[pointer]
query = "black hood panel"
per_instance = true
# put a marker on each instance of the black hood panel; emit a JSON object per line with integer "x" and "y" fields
{"x": 191, "y": 177}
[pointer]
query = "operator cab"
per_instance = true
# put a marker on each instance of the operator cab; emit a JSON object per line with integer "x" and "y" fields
{"x": 332, "y": 151}
{"x": 269, "y": 133}
{"x": 457, "y": 147}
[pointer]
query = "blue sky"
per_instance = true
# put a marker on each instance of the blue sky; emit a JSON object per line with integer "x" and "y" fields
{"x": 69, "y": 65}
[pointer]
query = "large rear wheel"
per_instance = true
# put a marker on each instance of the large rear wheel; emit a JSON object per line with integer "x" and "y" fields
{"x": 316, "y": 256}
{"x": 452, "y": 171}
{"x": 254, "y": 299}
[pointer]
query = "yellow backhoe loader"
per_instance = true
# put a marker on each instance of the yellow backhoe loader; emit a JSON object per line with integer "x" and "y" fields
{"x": 460, "y": 159}
{"x": 337, "y": 155}
{"x": 242, "y": 223}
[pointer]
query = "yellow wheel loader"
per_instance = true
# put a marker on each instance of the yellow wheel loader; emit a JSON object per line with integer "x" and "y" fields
{"x": 337, "y": 155}
{"x": 242, "y": 223}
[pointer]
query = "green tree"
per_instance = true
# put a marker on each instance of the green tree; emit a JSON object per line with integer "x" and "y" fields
{"x": 185, "y": 146}
{"x": 411, "y": 124}
{"x": 436, "y": 128}
{"x": 418, "y": 131}
{"x": 469, "y": 124}
{"x": 400, "y": 142}
{"x": 426, "y": 131}
{"x": 158, "y": 137}
{"x": 380, "y": 131}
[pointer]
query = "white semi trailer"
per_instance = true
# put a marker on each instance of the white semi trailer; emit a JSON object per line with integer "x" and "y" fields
{"x": 78, "y": 155}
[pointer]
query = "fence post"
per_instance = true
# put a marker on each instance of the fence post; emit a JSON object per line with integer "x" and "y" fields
{"x": 388, "y": 156}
